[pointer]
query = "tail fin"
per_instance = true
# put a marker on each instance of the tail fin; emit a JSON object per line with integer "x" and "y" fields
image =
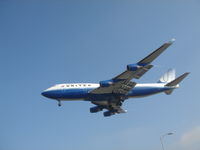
{"x": 175, "y": 82}
{"x": 169, "y": 76}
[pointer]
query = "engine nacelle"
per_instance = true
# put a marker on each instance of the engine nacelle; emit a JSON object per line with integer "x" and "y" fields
{"x": 105, "y": 83}
{"x": 133, "y": 67}
{"x": 95, "y": 109}
{"x": 108, "y": 113}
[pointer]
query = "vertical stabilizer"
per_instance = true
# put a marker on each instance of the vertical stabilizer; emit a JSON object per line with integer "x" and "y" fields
{"x": 169, "y": 76}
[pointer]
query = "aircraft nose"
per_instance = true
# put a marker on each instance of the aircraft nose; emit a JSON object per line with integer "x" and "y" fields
{"x": 45, "y": 93}
{"x": 49, "y": 93}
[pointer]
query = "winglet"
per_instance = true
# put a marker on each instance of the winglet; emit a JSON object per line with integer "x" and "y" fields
{"x": 172, "y": 41}
{"x": 151, "y": 57}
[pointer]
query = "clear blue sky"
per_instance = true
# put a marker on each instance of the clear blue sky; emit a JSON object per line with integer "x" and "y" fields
{"x": 54, "y": 41}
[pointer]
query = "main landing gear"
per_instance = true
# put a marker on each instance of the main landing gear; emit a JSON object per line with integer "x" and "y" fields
{"x": 59, "y": 103}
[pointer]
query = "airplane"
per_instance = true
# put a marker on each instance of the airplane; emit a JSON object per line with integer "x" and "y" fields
{"x": 110, "y": 94}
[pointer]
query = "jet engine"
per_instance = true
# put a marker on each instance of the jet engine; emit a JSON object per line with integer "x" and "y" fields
{"x": 95, "y": 109}
{"x": 133, "y": 67}
{"x": 108, "y": 113}
{"x": 105, "y": 83}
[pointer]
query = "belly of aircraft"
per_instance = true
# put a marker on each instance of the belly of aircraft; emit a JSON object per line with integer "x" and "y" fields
{"x": 144, "y": 91}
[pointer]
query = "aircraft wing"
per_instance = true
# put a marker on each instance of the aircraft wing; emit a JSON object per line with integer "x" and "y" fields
{"x": 122, "y": 83}
{"x": 144, "y": 63}
{"x": 120, "y": 87}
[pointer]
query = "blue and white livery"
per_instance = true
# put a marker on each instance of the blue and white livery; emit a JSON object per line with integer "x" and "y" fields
{"x": 110, "y": 94}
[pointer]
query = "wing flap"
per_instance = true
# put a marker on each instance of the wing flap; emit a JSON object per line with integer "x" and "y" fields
{"x": 121, "y": 87}
{"x": 142, "y": 71}
{"x": 128, "y": 75}
{"x": 124, "y": 88}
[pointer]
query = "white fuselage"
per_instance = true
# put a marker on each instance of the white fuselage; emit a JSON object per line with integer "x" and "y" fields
{"x": 81, "y": 91}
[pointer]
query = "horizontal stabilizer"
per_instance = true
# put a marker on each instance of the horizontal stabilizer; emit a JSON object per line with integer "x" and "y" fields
{"x": 177, "y": 80}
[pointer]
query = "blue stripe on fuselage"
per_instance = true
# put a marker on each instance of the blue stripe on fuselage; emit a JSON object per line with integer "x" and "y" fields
{"x": 83, "y": 93}
{"x": 80, "y": 93}
{"x": 145, "y": 91}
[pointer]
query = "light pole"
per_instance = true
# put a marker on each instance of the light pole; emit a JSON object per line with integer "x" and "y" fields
{"x": 161, "y": 139}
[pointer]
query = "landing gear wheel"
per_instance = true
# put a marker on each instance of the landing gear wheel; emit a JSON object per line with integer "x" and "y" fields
{"x": 59, "y": 103}
{"x": 119, "y": 103}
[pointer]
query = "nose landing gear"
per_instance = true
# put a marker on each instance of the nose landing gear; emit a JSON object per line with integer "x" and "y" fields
{"x": 59, "y": 103}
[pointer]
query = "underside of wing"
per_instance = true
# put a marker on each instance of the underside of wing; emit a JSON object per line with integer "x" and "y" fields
{"x": 128, "y": 74}
{"x": 120, "y": 87}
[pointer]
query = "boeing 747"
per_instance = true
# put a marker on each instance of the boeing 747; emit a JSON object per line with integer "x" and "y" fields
{"x": 110, "y": 94}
